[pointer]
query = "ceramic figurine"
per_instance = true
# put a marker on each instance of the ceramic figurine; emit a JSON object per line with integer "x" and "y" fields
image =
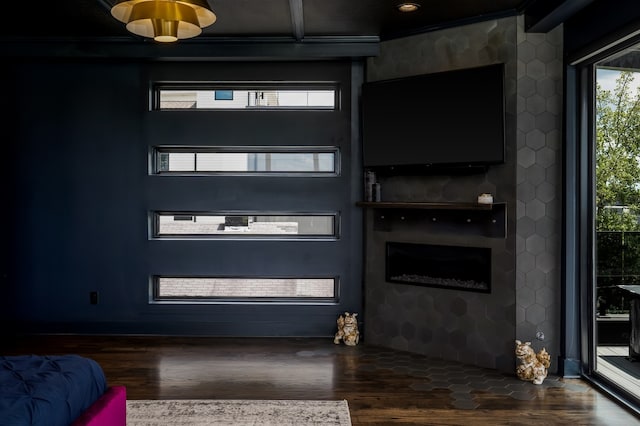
{"x": 347, "y": 330}
{"x": 533, "y": 367}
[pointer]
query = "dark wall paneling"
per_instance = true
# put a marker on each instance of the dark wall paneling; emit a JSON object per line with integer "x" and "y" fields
{"x": 77, "y": 204}
{"x": 81, "y": 194}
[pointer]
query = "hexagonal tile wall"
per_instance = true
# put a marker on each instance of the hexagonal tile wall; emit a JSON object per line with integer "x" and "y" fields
{"x": 538, "y": 191}
{"x": 465, "y": 326}
{"x": 530, "y": 183}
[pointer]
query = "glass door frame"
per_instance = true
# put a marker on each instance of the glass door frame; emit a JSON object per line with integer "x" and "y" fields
{"x": 579, "y": 346}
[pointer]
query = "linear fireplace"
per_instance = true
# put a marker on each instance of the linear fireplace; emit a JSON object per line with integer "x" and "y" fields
{"x": 452, "y": 267}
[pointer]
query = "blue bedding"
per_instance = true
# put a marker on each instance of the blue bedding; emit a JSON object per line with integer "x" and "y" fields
{"x": 47, "y": 390}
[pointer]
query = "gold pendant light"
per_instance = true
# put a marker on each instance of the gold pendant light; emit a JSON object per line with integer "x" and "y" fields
{"x": 164, "y": 20}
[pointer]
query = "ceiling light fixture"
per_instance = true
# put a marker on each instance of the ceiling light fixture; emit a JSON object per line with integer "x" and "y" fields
{"x": 164, "y": 20}
{"x": 408, "y": 7}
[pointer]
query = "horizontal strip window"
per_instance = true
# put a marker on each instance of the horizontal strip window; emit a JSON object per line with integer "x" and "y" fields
{"x": 323, "y": 161}
{"x": 244, "y": 289}
{"x": 246, "y": 97}
{"x": 252, "y": 225}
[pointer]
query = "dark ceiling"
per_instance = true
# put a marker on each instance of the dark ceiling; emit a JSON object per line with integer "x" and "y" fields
{"x": 290, "y": 19}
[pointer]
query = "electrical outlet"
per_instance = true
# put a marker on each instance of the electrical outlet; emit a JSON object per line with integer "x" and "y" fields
{"x": 93, "y": 297}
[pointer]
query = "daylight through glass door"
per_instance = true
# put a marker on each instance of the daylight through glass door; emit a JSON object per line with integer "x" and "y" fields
{"x": 617, "y": 220}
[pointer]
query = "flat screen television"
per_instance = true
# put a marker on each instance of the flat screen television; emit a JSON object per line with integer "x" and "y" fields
{"x": 446, "y": 120}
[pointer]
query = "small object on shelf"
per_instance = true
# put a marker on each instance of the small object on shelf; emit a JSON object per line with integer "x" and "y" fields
{"x": 485, "y": 198}
{"x": 369, "y": 181}
{"x": 377, "y": 195}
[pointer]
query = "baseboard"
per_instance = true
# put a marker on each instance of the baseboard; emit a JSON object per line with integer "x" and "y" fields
{"x": 569, "y": 368}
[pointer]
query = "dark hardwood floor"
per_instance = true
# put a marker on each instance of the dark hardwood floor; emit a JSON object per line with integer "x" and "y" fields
{"x": 381, "y": 386}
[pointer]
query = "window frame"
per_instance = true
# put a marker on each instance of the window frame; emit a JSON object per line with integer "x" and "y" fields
{"x": 154, "y": 221}
{"x": 154, "y": 165}
{"x": 257, "y": 86}
{"x": 155, "y": 299}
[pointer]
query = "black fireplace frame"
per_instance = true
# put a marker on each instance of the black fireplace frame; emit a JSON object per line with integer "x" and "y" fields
{"x": 388, "y": 277}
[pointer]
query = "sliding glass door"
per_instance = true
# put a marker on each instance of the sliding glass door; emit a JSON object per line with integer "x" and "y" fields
{"x": 616, "y": 279}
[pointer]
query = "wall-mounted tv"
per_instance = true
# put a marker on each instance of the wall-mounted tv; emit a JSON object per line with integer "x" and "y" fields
{"x": 452, "y": 119}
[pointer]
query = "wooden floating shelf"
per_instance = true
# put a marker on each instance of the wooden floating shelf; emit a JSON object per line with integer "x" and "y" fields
{"x": 488, "y": 220}
{"x": 426, "y": 205}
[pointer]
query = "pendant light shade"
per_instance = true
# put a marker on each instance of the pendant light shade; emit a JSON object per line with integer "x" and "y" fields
{"x": 164, "y": 20}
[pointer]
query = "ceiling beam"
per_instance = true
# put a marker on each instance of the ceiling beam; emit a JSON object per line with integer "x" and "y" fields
{"x": 449, "y": 24}
{"x": 203, "y": 48}
{"x": 106, "y": 4}
{"x": 297, "y": 19}
{"x": 544, "y": 15}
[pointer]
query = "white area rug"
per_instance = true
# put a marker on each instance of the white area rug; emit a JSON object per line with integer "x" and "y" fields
{"x": 233, "y": 412}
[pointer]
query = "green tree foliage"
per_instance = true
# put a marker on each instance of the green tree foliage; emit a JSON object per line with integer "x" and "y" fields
{"x": 618, "y": 155}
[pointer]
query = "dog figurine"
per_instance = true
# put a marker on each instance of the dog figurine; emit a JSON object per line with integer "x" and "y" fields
{"x": 533, "y": 367}
{"x": 347, "y": 330}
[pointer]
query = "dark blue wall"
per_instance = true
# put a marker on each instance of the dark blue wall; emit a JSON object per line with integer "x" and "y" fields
{"x": 77, "y": 197}
{"x": 78, "y": 191}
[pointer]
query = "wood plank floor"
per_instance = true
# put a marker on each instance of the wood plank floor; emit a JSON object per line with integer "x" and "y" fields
{"x": 382, "y": 387}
